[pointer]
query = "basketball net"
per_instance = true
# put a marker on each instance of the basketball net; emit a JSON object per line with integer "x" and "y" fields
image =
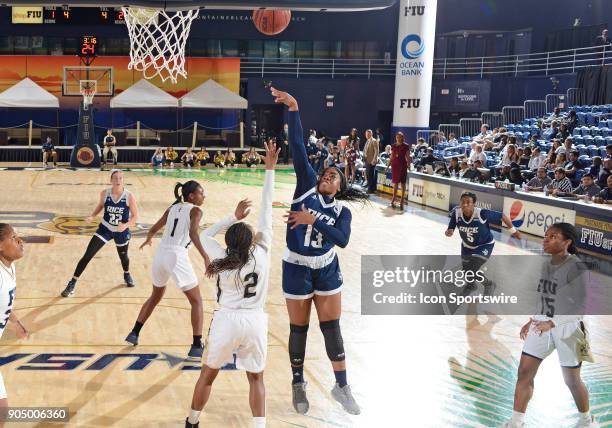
{"x": 88, "y": 90}
{"x": 157, "y": 41}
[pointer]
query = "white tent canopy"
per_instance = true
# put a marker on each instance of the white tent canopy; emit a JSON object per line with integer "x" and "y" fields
{"x": 143, "y": 94}
{"x": 27, "y": 94}
{"x": 211, "y": 94}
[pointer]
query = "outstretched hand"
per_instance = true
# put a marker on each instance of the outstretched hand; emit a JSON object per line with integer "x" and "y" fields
{"x": 271, "y": 155}
{"x": 243, "y": 209}
{"x": 284, "y": 98}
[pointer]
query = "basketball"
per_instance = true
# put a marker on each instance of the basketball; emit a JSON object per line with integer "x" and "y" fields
{"x": 271, "y": 22}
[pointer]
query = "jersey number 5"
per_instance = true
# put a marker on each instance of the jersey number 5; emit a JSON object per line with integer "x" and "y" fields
{"x": 250, "y": 285}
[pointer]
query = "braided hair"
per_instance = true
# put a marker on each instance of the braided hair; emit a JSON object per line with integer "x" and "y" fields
{"x": 568, "y": 232}
{"x": 239, "y": 240}
{"x": 183, "y": 190}
{"x": 346, "y": 192}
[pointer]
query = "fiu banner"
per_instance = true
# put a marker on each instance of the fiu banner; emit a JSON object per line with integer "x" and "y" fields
{"x": 415, "y": 48}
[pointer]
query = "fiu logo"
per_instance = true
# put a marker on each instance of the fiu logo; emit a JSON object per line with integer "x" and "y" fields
{"x": 85, "y": 156}
{"x": 410, "y": 102}
{"x": 69, "y": 225}
{"x": 414, "y": 10}
{"x": 417, "y": 190}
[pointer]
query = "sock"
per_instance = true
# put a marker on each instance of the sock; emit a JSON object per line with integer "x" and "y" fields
{"x": 518, "y": 417}
{"x": 259, "y": 421}
{"x": 298, "y": 374}
{"x": 340, "y": 378}
{"x": 137, "y": 327}
{"x": 194, "y": 416}
{"x": 585, "y": 417}
{"x": 197, "y": 341}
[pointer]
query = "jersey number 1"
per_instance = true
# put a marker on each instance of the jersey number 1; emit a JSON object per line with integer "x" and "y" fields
{"x": 174, "y": 227}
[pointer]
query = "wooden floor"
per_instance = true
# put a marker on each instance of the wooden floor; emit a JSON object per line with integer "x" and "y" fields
{"x": 405, "y": 371}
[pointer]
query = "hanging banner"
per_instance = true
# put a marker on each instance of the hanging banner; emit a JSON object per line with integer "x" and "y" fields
{"x": 416, "y": 37}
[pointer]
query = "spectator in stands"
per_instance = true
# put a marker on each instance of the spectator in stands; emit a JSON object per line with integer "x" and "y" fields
{"x": 157, "y": 160}
{"x": 551, "y": 157}
{"x": 463, "y": 167}
{"x": 420, "y": 149}
{"x": 428, "y": 159}
{"x": 477, "y": 154}
{"x": 536, "y": 160}
{"x": 452, "y": 140}
{"x": 284, "y": 136}
{"x": 385, "y": 156}
{"x": 605, "y": 196}
{"x": 202, "y": 157}
{"x": 524, "y": 156}
{"x": 595, "y": 167}
{"x": 560, "y": 161}
{"x": 484, "y": 133}
{"x": 311, "y": 151}
{"x": 503, "y": 174}
{"x": 564, "y": 132}
{"x": 567, "y": 147}
{"x": 551, "y": 132}
{"x": 351, "y": 153}
{"x": 511, "y": 155}
{"x": 533, "y": 140}
{"x": 572, "y": 167}
{"x": 604, "y": 173}
{"x": 561, "y": 184}
{"x": 312, "y": 137}
{"x": 400, "y": 160}
{"x": 230, "y": 158}
{"x": 454, "y": 167}
{"x": 555, "y": 115}
{"x": 251, "y": 158}
{"x": 472, "y": 173}
{"x": 320, "y": 156}
{"x": 48, "y": 150}
{"x": 378, "y": 135}
{"x": 587, "y": 189}
{"x": 219, "y": 160}
{"x": 109, "y": 146}
{"x": 170, "y": 156}
{"x": 516, "y": 177}
{"x": 332, "y": 156}
{"x": 539, "y": 182}
{"x": 188, "y": 158}
{"x": 571, "y": 121}
{"x": 501, "y": 144}
{"x": 370, "y": 152}
{"x": 602, "y": 39}
{"x": 609, "y": 151}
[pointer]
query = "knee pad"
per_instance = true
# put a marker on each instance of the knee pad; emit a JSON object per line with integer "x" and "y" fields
{"x": 297, "y": 343}
{"x": 334, "y": 345}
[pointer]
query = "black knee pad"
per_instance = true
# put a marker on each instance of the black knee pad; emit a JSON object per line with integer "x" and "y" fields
{"x": 334, "y": 345}
{"x": 297, "y": 343}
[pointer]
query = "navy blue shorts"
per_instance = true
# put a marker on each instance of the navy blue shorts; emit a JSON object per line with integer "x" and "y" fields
{"x": 302, "y": 282}
{"x": 483, "y": 251}
{"x": 120, "y": 238}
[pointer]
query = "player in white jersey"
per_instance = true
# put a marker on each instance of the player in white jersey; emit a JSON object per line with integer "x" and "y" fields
{"x": 171, "y": 260}
{"x": 240, "y": 326}
{"x": 558, "y": 325}
{"x": 11, "y": 249}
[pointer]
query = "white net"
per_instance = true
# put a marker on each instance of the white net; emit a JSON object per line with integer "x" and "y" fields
{"x": 88, "y": 90}
{"x": 157, "y": 41}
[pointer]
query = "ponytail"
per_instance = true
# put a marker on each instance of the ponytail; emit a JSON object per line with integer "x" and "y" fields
{"x": 177, "y": 195}
{"x": 238, "y": 238}
{"x": 183, "y": 190}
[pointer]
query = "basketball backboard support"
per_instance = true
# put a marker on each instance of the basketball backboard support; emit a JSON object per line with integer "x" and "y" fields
{"x": 74, "y": 75}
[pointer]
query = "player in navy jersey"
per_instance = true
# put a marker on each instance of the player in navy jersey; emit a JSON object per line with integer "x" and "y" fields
{"x": 119, "y": 214}
{"x": 316, "y": 223}
{"x": 476, "y": 238}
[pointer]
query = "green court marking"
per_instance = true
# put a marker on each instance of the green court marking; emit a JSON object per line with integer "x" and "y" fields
{"x": 284, "y": 178}
{"x": 482, "y": 391}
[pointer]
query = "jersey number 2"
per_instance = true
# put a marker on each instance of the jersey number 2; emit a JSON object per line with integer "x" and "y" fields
{"x": 250, "y": 285}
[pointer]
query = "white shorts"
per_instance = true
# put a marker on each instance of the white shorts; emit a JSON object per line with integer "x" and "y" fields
{"x": 563, "y": 338}
{"x": 173, "y": 262}
{"x": 2, "y": 388}
{"x": 240, "y": 332}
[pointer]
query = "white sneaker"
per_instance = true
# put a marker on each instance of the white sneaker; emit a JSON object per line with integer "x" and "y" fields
{"x": 590, "y": 424}
{"x": 511, "y": 424}
{"x": 344, "y": 396}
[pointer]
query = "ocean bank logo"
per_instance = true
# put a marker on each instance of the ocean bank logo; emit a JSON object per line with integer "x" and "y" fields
{"x": 517, "y": 213}
{"x": 412, "y": 46}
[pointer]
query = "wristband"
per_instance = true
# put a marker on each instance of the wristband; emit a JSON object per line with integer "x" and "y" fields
{"x": 512, "y": 230}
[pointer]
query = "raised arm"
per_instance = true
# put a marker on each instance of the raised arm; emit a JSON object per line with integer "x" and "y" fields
{"x": 306, "y": 176}
{"x": 264, "y": 235}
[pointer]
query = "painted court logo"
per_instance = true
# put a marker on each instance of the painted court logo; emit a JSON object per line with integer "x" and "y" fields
{"x": 412, "y": 46}
{"x": 517, "y": 213}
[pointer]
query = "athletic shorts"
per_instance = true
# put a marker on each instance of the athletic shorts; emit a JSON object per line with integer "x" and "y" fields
{"x": 121, "y": 238}
{"x": 173, "y": 262}
{"x": 242, "y": 332}
{"x": 302, "y": 282}
{"x": 2, "y": 388}
{"x": 483, "y": 251}
{"x": 563, "y": 338}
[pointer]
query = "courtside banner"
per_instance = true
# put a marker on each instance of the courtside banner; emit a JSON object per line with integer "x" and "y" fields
{"x": 535, "y": 218}
{"x": 595, "y": 233}
{"x": 414, "y": 69}
{"x": 429, "y": 193}
{"x": 505, "y": 285}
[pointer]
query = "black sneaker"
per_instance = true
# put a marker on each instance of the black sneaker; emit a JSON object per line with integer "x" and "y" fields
{"x": 128, "y": 279}
{"x": 195, "y": 352}
{"x": 69, "y": 290}
{"x": 132, "y": 338}
{"x": 188, "y": 425}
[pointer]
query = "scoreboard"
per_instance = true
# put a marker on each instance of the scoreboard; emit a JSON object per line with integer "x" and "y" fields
{"x": 65, "y": 15}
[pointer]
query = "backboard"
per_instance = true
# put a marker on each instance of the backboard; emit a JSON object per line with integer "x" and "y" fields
{"x": 74, "y": 75}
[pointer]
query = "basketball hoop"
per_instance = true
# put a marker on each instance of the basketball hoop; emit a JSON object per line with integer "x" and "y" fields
{"x": 157, "y": 41}
{"x": 88, "y": 91}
